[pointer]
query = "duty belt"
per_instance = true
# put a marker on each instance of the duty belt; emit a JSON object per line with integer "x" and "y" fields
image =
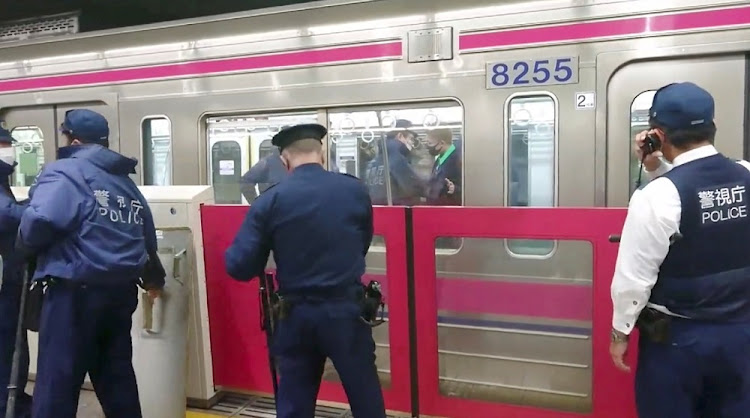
{"x": 368, "y": 297}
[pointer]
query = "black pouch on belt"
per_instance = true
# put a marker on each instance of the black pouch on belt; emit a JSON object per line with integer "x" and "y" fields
{"x": 654, "y": 325}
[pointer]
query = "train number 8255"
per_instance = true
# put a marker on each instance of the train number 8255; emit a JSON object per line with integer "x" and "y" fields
{"x": 522, "y": 73}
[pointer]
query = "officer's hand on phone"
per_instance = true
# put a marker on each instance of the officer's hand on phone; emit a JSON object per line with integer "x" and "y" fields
{"x": 652, "y": 161}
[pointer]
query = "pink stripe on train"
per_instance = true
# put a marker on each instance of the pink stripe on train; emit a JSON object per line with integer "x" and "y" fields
{"x": 581, "y": 31}
{"x": 568, "y": 302}
{"x": 210, "y": 67}
{"x": 615, "y": 28}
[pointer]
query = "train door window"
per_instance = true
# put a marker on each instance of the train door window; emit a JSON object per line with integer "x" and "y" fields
{"x": 639, "y": 122}
{"x": 234, "y": 144}
{"x": 407, "y": 155}
{"x": 531, "y": 168}
{"x": 29, "y": 154}
{"x": 156, "y": 134}
{"x": 265, "y": 149}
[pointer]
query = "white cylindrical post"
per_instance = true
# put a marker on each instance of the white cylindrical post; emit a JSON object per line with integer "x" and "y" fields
{"x": 160, "y": 344}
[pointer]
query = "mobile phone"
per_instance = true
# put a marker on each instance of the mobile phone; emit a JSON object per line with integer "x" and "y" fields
{"x": 651, "y": 144}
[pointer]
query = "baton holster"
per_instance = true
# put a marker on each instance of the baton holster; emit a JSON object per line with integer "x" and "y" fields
{"x": 655, "y": 326}
{"x": 32, "y": 315}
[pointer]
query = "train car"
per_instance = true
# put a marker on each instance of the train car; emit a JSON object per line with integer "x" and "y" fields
{"x": 542, "y": 97}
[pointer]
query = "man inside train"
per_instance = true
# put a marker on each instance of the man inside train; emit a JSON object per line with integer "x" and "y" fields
{"x": 11, "y": 282}
{"x": 444, "y": 186}
{"x": 93, "y": 235}
{"x": 682, "y": 275}
{"x": 265, "y": 173}
{"x": 406, "y": 186}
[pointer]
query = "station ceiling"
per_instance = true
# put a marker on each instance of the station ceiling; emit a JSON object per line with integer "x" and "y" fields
{"x": 108, "y": 14}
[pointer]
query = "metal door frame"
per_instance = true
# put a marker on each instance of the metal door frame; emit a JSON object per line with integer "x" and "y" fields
{"x": 610, "y": 63}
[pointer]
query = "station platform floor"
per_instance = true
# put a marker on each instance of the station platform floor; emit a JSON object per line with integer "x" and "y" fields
{"x": 231, "y": 405}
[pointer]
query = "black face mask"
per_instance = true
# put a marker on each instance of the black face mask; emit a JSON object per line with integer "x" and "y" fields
{"x": 432, "y": 149}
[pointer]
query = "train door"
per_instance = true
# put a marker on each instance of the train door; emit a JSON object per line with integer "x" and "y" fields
{"x": 629, "y": 96}
{"x": 36, "y": 134}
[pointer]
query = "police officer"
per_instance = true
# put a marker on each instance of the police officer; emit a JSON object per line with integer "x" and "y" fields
{"x": 94, "y": 237}
{"x": 265, "y": 173}
{"x": 406, "y": 186}
{"x": 319, "y": 226}
{"x": 683, "y": 270}
{"x": 12, "y": 282}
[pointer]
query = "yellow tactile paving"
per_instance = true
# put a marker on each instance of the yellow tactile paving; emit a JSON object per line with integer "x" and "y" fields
{"x": 193, "y": 414}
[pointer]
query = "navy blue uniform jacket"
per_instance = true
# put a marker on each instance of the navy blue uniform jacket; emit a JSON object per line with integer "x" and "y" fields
{"x": 87, "y": 221}
{"x": 318, "y": 225}
{"x": 406, "y": 186}
{"x": 10, "y": 218}
{"x": 265, "y": 173}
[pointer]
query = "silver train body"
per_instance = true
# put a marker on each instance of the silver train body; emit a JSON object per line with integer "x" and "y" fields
{"x": 197, "y": 101}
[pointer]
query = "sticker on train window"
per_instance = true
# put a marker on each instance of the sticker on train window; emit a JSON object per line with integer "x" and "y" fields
{"x": 525, "y": 73}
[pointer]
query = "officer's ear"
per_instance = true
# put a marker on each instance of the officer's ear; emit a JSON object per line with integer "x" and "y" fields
{"x": 71, "y": 140}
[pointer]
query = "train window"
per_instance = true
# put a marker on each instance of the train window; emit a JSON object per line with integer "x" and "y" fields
{"x": 239, "y": 147}
{"x": 638, "y": 122}
{"x": 407, "y": 155}
{"x": 156, "y": 134}
{"x": 29, "y": 154}
{"x": 531, "y": 166}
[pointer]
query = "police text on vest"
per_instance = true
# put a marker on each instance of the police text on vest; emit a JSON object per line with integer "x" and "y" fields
{"x": 722, "y": 203}
{"x": 124, "y": 213}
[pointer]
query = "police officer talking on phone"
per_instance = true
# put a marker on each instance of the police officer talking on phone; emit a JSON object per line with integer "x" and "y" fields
{"x": 319, "y": 226}
{"x": 682, "y": 275}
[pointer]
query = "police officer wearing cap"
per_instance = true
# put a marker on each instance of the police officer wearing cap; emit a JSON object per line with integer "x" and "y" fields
{"x": 406, "y": 186}
{"x": 11, "y": 284}
{"x": 94, "y": 238}
{"x": 319, "y": 226}
{"x": 682, "y": 275}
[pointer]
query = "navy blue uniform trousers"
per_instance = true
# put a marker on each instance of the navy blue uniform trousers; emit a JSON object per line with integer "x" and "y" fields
{"x": 10, "y": 301}
{"x": 305, "y": 338}
{"x": 86, "y": 329}
{"x": 703, "y": 371}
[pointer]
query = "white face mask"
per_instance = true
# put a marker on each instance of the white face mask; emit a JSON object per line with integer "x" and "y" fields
{"x": 8, "y": 155}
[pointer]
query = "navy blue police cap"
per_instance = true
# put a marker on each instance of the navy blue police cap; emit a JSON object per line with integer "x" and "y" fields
{"x": 682, "y": 106}
{"x": 5, "y": 136}
{"x": 404, "y": 125}
{"x": 291, "y": 134}
{"x": 87, "y": 126}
